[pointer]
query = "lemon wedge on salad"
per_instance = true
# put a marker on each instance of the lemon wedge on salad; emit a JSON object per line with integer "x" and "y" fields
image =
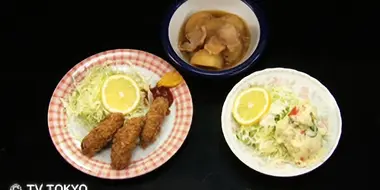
{"x": 120, "y": 93}
{"x": 250, "y": 105}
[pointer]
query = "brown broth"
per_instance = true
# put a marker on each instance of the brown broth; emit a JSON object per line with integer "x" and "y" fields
{"x": 245, "y": 37}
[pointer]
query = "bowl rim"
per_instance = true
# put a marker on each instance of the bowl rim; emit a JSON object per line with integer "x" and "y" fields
{"x": 251, "y": 60}
{"x": 317, "y": 82}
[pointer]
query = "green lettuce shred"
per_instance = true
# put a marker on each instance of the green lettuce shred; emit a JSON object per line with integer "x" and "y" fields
{"x": 85, "y": 104}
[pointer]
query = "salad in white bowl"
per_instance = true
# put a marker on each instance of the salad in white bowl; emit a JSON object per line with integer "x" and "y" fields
{"x": 281, "y": 122}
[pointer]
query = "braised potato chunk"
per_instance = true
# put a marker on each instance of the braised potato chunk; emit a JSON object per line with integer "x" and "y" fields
{"x": 205, "y": 59}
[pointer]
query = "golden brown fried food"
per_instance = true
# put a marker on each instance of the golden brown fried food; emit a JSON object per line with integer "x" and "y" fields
{"x": 102, "y": 134}
{"x": 154, "y": 118}
{"x": 125, "y": 141}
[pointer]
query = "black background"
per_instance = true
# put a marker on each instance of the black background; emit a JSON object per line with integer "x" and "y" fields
{"x": 44, "y": 39}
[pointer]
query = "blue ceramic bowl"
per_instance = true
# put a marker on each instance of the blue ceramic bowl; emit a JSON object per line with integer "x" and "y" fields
{"x": 245, "y": 9}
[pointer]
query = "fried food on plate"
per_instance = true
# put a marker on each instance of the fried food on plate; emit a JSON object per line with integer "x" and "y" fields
{"x": 125, "y": 141}
{"x": 102, "y": 134}
{"x": 154, "y": 118}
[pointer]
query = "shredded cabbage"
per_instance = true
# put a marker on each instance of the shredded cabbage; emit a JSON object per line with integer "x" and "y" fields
{"x": 262, "y": 140}
{"x": 85, "y": 104}
{"x": 283, "y": 95}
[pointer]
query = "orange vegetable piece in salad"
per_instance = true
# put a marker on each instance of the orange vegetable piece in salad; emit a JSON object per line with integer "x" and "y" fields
{"x": 170, "y": 79}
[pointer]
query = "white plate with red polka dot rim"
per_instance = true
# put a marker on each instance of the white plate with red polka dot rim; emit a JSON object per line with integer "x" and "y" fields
{"x": 173, "y": 130}
{"x": 306, "y": 87}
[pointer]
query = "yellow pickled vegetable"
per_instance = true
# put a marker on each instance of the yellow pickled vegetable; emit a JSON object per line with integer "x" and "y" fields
{"x": 170, "y": 79}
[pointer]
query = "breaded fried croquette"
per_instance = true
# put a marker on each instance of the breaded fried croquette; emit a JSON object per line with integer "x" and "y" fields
{"x": 125, "y": 141}
{"x": 102, "y": 134}
{"x": 154, "y": 118}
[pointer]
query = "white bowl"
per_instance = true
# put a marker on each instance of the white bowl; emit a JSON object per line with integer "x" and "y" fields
{"x": 183, "y": 10}
{"x": 299, "y": 82}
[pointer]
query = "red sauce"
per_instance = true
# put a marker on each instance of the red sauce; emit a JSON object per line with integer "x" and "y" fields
{"x": 163, "y": 92}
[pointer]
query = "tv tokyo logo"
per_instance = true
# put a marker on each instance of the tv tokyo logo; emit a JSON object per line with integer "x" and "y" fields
{"x": 15, "y": 187}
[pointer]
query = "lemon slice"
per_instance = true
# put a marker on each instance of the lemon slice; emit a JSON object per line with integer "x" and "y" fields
{"x": 170, "y": 79}
{"x": 251, "y": 105}
{"x": 120, "y": 94}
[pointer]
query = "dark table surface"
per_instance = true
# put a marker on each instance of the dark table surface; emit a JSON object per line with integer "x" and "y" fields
{"x": 44, "y": 39}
